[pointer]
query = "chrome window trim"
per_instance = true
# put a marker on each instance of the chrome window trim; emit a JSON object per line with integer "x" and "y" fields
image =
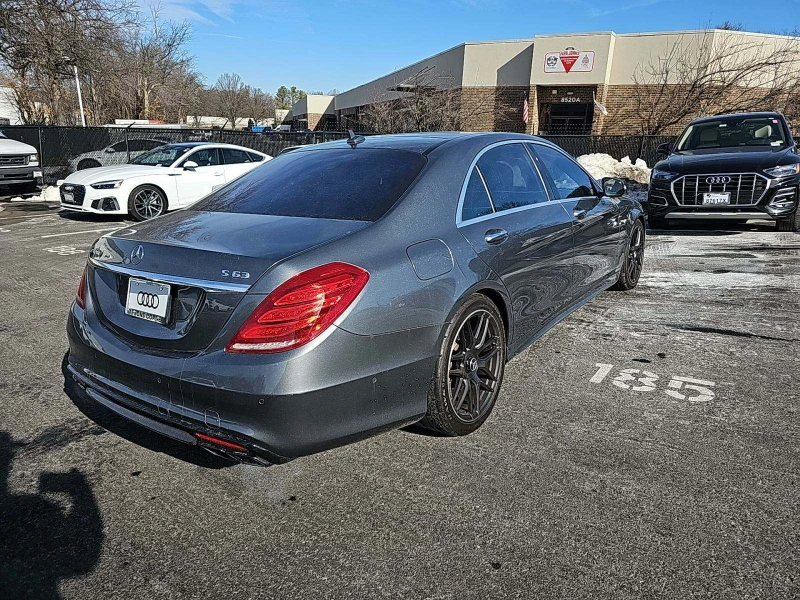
{"x": 460, "y": 222}
{"x": 204, "y": 284}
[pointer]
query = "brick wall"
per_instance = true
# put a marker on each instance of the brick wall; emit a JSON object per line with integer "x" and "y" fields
{"x": 492, "y": 109}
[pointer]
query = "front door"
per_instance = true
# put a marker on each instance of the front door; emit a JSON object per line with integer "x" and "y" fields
{"x": 199, "y": 181}
{"x": 598, "y": 236}
{"x": 514, "y": 227}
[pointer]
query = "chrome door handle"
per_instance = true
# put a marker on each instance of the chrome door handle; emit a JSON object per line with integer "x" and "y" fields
{"x": 496, "y": 236}
{"x": 579, "y": 213}
{"x": 218, "y": 174}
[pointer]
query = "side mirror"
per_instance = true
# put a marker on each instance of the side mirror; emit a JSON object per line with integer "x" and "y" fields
{"x": 189, "y": 165}
{"x": 614, "y": 187}
{"x": 664, "y": 149}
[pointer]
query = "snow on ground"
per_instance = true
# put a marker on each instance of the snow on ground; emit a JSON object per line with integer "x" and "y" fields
{"x": 48, "y": 194}
{"x": 604, "y": 165}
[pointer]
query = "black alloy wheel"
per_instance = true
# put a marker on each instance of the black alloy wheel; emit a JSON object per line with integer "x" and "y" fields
{"x": 469, "y": 371}
{"x": 633, "y": 262}
{"x": 146, "y": 202}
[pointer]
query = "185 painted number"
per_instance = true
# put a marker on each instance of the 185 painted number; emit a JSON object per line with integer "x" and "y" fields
{"x": 646, "y": 381}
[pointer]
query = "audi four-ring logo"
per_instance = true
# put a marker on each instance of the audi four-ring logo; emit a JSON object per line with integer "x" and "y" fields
{"x": 718, "y": 179}
{"x": 148, "y": 300}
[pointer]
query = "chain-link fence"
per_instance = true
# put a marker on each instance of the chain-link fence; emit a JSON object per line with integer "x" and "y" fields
{"x": 63, "y": 150}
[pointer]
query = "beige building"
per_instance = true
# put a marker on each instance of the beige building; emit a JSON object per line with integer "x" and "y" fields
{"x": 570, "y": 81}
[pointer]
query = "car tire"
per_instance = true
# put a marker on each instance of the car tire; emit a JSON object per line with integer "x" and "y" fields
{"x": 789, "y": 224}
{"x": 88, "y": 163}
{"x": 24, "y": 188}
{"x": 469, "y": 369}
{"x": 633, "y": 261}
{"x": 146, "y": 202}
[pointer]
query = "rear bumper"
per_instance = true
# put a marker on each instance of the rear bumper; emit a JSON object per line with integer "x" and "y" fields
{"x": 277, "y": 410}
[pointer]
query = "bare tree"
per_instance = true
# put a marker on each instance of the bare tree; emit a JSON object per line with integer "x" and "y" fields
{"x": 41, "y": 41}
{"x": 260, "y": 105}
{"x": 232, "y": 97}
{"x": 427, "y": 101}
{"x": 158, "y": 53}
{"x": 718, "y": 74}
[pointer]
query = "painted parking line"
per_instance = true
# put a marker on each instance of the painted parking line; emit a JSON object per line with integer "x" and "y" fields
{"x": 52, "y": 235}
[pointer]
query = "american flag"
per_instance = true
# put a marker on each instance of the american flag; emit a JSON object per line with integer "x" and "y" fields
{"x": 524, "y": 108}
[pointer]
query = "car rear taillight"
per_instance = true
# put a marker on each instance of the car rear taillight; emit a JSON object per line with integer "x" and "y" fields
{"x": 300, "y": 309}
{"x": 208, "y": 439}
{"x": 80, "y": 297}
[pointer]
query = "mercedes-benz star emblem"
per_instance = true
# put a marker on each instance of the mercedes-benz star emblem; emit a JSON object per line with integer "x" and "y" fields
{"x": 146, "y": 299}
{"x": 718, "y": 180}
{"x": 137, "y": 254}
{"x": 472, "y": 363}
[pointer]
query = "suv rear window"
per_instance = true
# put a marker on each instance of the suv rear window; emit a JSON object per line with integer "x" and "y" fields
{"x": 359, "y": 184}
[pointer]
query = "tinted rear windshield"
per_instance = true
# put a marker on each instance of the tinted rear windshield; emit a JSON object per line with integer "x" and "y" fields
{"x": 353, "y": 184}
{"x": 731, "y": 132}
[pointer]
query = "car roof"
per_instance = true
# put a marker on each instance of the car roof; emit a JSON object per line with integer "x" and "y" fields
{"x": 755, "y": 115}
{"x": 214, "y": 144}
{"x": 422, "y": 143}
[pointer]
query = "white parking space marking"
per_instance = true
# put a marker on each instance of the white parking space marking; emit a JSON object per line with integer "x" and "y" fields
{"x": 638, "y": 380}
{"x": 64, "y": 250}
{"x": 52, "y": 235}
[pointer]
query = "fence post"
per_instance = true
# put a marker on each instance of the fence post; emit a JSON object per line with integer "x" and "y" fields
{"x": 41, "y": 150}
{"x": 127, "y": 148}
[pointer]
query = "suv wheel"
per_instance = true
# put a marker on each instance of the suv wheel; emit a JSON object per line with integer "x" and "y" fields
{"x": 791, "y": 223}
{"x": 469, "y": 371}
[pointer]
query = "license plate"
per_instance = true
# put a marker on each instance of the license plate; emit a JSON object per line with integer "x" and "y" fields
{"x": 148, "y": 300}
{"x": 37, "y": 174}
{"x": 716, "y": 198}
{"x": 69, "y": 197}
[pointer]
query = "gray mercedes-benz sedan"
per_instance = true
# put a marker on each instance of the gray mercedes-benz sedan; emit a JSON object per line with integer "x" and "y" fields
{"x": 347, "y": 288}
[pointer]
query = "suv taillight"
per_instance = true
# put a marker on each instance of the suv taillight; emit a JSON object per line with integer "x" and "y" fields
{"x": 80, "y": 297}
{"x": 300, "y": 309}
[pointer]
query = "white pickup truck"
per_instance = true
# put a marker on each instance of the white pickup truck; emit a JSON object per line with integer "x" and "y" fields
{"x": 19, "y": 166}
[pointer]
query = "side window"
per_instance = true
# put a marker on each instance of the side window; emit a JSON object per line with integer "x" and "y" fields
{"x": 571, "y": 181}
{"x": 235, "y": 157}
{"x": 511, "y": 177}
{"x": 119, "y": 147}
{"x": 207, "y": 157}
{"x": 476, "y": 200}
{"x": 255, "y": 157}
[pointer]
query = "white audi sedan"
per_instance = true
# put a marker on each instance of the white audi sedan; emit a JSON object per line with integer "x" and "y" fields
{"x": 169, "y": 177}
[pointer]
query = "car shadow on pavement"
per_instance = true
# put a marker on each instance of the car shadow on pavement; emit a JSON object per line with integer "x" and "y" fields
{"x": 70, "y": 215}
{"x": 709, "y": 229}
{"x": 110, "y": 421}
{"x": 53, "y": 534}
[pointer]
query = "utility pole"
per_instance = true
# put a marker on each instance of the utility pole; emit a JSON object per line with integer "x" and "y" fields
{"x": 80, "y": 98}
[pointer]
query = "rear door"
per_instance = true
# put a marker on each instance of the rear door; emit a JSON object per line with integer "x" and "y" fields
{"x": 200, "y": 181}
{"x": 596, "y": 228}
{"x": 236, "y": 163}
{"x": 508, "y": 217}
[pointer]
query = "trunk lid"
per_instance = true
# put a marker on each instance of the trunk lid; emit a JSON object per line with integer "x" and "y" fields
{"x": 210, "y": 261}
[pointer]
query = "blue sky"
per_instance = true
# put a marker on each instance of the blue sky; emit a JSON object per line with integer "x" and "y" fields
{"x": 320, "y": 45}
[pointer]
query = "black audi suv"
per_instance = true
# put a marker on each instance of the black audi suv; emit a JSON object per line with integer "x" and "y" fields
{"x": 729, "y": 167}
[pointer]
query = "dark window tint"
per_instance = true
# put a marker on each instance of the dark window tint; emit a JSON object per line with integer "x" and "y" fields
{"x": 207, "y": 157}
{"x": 476, "y": 200}
{"x": 119, "y": 147}
{"x": 571, "y": 181}
{"x": 511, "y": 177}
{"x": 235, "y": 157}
{"x": 142, "y": 145}
{"x": 360, "y": 184}
{"x": 255, "y": 157}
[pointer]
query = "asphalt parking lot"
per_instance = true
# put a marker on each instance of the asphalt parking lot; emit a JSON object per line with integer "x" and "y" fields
{"x": 645, "y": 447}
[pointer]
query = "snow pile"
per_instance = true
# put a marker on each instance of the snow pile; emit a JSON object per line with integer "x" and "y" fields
{"x": 603, "y": 165}
{"x": 48, "y": 194}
